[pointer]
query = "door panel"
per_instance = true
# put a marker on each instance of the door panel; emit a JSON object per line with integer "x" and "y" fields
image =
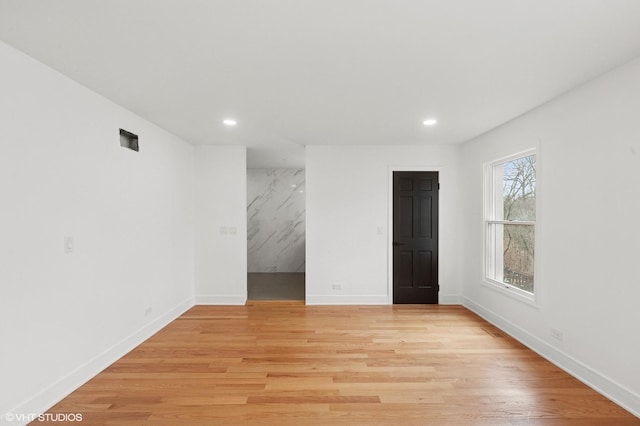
{"x": 405, "y": 278}
{"x": 424, "y": 184}
{"x": 405, "y": 214}
{"x": 415, "y": 237}
{"x": 405, "y": 184}
{"x": 423, "y": 269}
{"x": 425, "y": 217}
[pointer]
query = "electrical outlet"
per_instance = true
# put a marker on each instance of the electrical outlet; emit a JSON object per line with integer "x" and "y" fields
{"x": 556, "y": 334}
{"x": 337, "y": 286}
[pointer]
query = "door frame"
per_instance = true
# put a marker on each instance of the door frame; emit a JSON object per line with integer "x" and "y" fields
{"x": 390, "y": 220}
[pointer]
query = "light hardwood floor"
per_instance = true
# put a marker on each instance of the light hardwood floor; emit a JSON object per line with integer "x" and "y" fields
{"x": 274, "y": 363}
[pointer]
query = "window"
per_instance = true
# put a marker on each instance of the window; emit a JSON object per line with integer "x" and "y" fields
{"x": 510, "y": 222}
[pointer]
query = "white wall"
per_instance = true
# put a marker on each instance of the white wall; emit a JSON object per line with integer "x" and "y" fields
{"x": 348, "y": 220}
{"x": 221, "y": 225}
{"x": 64, "y": 317}
{"x": 62, "y": 172}
{"x": 589, "y": 184}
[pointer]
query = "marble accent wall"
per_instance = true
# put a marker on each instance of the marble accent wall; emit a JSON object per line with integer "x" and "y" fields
{"x": 275, "y": 220}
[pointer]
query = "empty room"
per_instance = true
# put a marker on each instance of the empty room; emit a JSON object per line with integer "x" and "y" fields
{"x": 325, "y": 212}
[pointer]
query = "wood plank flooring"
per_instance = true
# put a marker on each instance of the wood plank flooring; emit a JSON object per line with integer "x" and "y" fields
{"x": 291, "y": 364}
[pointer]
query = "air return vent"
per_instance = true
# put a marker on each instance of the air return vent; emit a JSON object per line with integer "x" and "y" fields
{"x": 129, "y": 140}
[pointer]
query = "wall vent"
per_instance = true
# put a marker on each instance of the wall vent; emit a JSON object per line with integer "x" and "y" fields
{"x": 129, "y": 140}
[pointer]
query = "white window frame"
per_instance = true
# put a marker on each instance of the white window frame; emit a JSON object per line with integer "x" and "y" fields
{"x": 492, "y": 171}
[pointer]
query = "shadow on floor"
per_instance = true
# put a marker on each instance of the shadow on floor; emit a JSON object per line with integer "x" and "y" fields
{"x": 275, "y": 286}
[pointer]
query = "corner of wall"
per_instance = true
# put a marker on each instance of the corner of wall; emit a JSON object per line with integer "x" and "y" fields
{"x": 221, "y": 225}
{"x": 48, "y": 397}
{"x": 594, "y": 379}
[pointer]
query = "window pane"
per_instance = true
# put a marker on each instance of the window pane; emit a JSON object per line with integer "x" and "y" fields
{"x": 495, "y": 238}
{"x": 510, "y": 199}
{"x": 518, "y": 190}
{"x": 518, "y": 249}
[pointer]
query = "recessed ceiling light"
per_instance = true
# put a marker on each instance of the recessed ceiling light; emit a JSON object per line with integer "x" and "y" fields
{"x": 229, "y": 122}
{"x": 430, "y": 122}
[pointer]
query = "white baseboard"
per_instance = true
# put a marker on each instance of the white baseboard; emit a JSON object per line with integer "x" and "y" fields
{"x": 58, "y": 390}
{"x": 219, "y": 299}
{"x": 318, "y": 299}
{"x": 592, "y": 378}
{"x": 370, "y": 299}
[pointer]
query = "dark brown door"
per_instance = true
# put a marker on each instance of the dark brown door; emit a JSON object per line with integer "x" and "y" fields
{"x": 415, "y": 237}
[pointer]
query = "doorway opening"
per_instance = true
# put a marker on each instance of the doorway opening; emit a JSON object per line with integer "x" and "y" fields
{"x": 275, "y": 234}
{"x": 415, "y": 237}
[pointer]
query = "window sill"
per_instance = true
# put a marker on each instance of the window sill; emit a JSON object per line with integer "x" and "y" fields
{"x": 512, "y": 292}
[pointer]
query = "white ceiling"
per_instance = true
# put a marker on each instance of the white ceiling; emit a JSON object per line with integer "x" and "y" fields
{"x": 305, "y": 72}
